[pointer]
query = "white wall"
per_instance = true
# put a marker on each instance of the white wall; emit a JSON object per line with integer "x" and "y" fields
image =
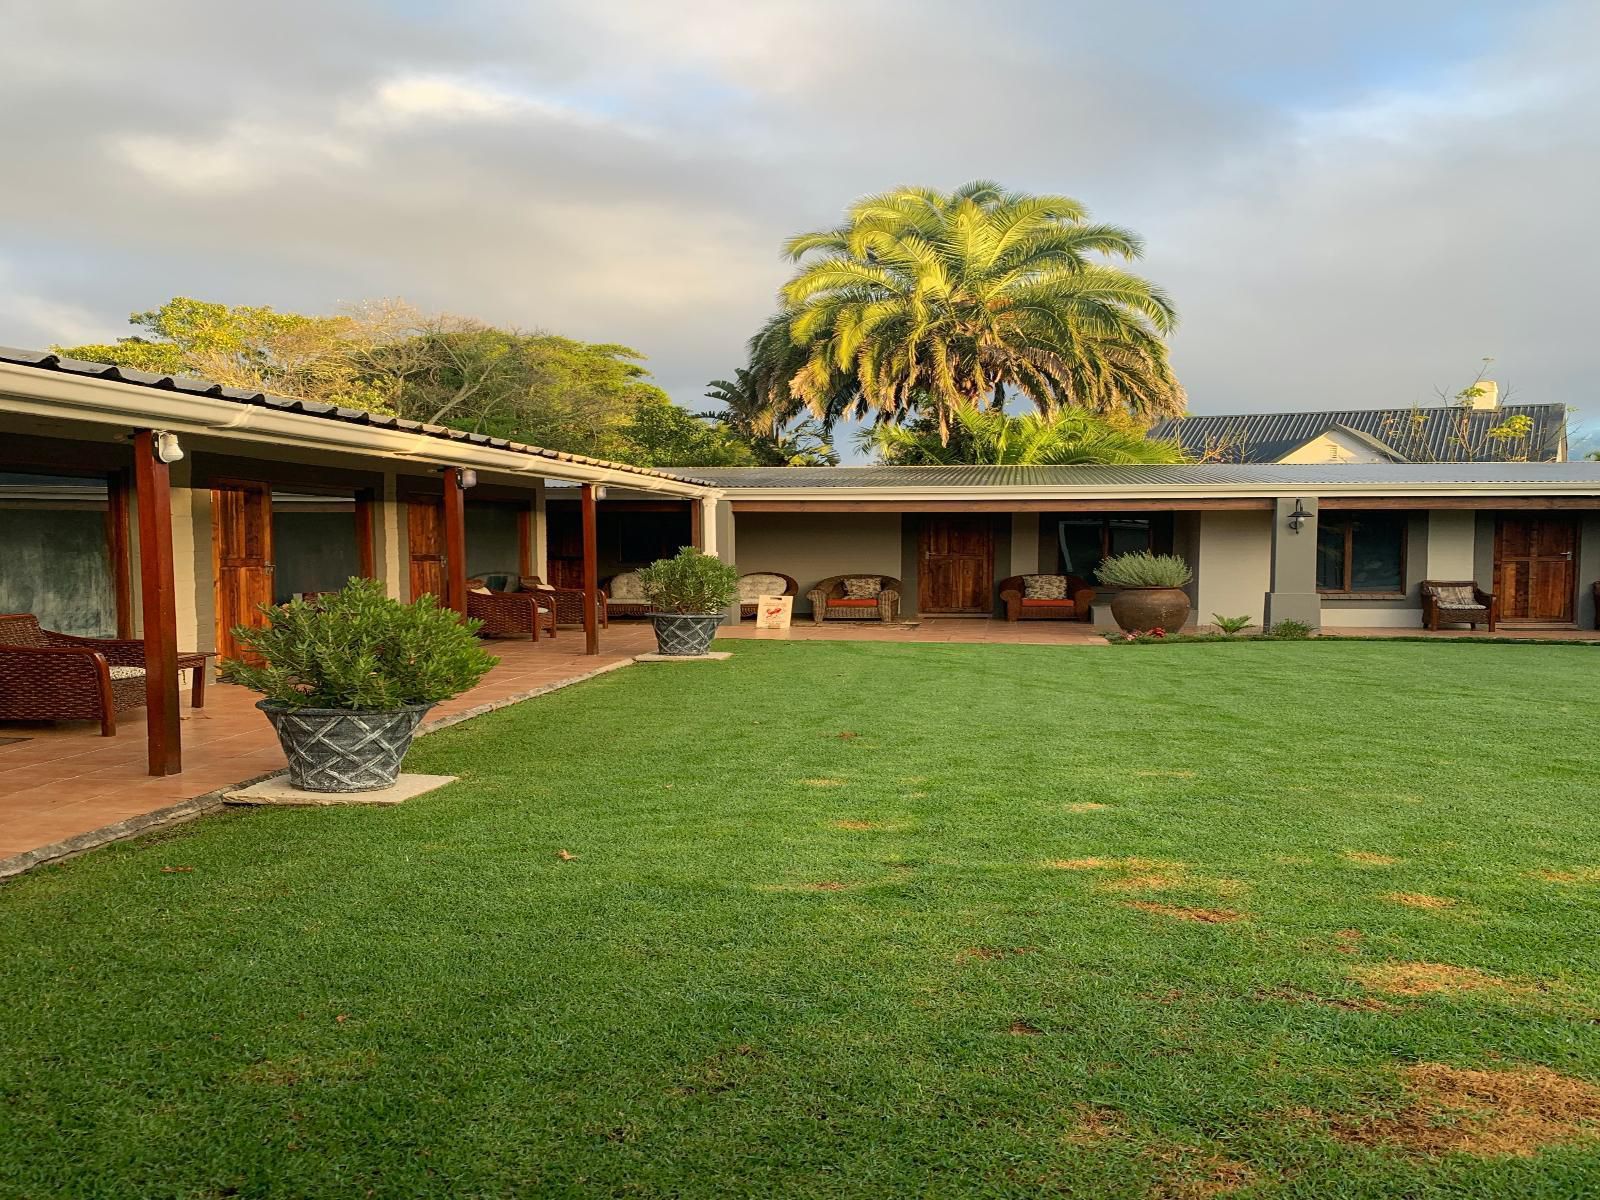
{"x": 1334, "y": 447}
{"x": 813, "y": 546}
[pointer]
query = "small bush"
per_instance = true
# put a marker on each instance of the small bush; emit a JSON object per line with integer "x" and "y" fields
{"x": 1230, "y": 625}
{"x": 358, "y": 649}
{"x": 1289, "y": 630}
{"x": 689, "y": 582}
{"x": 1144, "y": 570}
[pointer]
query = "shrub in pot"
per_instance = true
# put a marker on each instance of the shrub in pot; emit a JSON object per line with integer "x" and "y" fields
{"x": 1150, "y": 591}
{"x": 347, "y": 678}
{"x": 687, "y": 595}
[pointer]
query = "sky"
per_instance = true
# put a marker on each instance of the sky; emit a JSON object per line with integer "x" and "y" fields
{"x": 1352, "y": 203}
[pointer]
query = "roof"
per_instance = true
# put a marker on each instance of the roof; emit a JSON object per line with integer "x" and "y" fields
{"x": 1408, "y": 434}
{"x": 47, "y": 361}
{"x": 1187, "y": 475}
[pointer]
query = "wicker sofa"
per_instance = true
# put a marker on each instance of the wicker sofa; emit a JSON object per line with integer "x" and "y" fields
{"x": 1073, "y": 606}
{"x": 568, "y": 601}
{"x": 509, "y": 614}
{"x": 50, "y": 676}
{"x": 763, "y": 583}
{"x": 1457, "y": 602}
{"x": 624, "y": 595}
{"x": 830, "y": 600}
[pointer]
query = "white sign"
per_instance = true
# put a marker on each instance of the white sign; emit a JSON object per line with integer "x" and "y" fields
{"x": 774, "y": 612}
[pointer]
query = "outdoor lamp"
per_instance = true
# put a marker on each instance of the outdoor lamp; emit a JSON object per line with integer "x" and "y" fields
{"x": 167, "y": 448}
{"x": 1299, "y": 516}
{"x": 600, "y": 493}
{"x": 466, "y": 477}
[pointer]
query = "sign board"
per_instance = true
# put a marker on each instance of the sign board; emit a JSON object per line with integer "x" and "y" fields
{"x": 774, "y": 612}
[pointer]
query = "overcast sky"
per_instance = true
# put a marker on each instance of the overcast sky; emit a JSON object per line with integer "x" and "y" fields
{"x": 1351, "y": 202}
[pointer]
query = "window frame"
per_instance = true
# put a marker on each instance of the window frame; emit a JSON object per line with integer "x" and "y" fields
{"x": 1104, "y": 520}
{"x": 1348, "y": 518}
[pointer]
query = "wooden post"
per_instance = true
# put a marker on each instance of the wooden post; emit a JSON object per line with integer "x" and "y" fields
{"x": 591, "y": 570}
{"x": 525, "y": 540}
{"x": 153, "y": 487}
{"x": 697, "y": 524}
{"x": 366, "y": 548}
{"x": 117, "y": 551}
{"x": 455, "y": 541}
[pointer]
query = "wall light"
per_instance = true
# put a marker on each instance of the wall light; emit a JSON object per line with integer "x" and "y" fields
{"x": 600, "y": 493}
{"x": 168, "y": 450}
{"x": 466, "y": 478}
{"x": 1299, "y": 516}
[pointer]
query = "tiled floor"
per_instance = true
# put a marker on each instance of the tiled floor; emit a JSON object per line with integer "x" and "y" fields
{"x": 66, "y": 780}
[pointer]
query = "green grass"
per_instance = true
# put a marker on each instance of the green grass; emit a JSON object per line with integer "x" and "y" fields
{"x": 429, "y": 1001}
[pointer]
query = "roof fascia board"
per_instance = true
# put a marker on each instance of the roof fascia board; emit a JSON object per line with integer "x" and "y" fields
{"x": 1147, "y": 492}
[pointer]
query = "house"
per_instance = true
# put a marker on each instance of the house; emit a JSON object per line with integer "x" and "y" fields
{"x": 1480, "y": 430}
{"x": 169, "y": 508}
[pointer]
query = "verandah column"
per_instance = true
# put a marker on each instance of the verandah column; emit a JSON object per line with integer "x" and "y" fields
{"x": 591, "y": 571}
{"x": 717, "y": 531}
{"x": 1293, "y": 595}
{"x": 152, "y": 486}
{"x": 455, "y": 540}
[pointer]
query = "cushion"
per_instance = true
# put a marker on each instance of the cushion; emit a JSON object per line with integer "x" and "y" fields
{"x": 626, "y": 589}
{"x": 754, "y": 586}
{"x": 1456, "y": 595}
{"x": 127, "y": 672}
{"x": 1461, "y": 608}
{"x": 854, "y": 602}
{"x": 480, "y": 591}
{"x": 1044, "y": 587}
{"x": 1040, "y": 602}
{"x": 862, "y": 587}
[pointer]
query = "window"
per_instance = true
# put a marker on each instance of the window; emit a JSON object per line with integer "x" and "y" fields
{"x": 1086, "y": 542}
{"x": 1361, "y": 552}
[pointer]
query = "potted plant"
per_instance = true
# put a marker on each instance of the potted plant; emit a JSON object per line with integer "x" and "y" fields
{"x": 1150, "y": 591}
{"x": 347, "y": 678}
{"x": 687, "y": 595}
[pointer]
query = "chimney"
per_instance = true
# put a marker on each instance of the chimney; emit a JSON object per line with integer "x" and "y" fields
{"x": 1486, "y": 396}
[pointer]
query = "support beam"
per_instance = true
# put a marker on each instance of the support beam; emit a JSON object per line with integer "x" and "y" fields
{"x": 591, "y": 573}
{"x": 721, "y": 537}
{"x": 455, "y": 541}
{"x": 525, "y": 519}
{"x": 118, "y": 553}
{"x": 153, "y": 486}
{"x": 697, "y": 525}
{"x": 366, "y": 547}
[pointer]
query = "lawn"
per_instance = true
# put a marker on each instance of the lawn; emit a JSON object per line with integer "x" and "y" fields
{"x": 1264, "y": 919}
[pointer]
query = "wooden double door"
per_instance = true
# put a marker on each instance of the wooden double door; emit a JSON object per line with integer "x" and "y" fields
{"x": 1536, "y": 569}
{"x": 241, "y": 555}
{"x": 955, "y": 566}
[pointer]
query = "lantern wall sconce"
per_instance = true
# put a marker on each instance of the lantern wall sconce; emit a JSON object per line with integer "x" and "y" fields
{"x": 1299, "y": 517}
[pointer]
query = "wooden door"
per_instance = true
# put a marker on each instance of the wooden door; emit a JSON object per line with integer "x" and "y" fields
{"x": 955, "y": 572}
{"x": 1535, "y": 572}
{"x": 241, "y": 547}
{"x": 425, "y": 541}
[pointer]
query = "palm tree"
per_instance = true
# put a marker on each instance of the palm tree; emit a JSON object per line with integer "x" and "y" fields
{"x": 1072, "y": 436}
{"x": 924, "y": 301}
{"x": 750, "y": 413}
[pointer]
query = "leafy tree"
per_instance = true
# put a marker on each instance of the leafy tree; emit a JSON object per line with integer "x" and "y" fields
{"x": 925, "y": 302}
{"x": 661, "y": 434}
{"x": 974, "y": 435}
{"x": 770, "y": 430}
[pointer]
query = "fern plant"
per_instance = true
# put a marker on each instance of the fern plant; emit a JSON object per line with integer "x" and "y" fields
{"x": 357, "y": 649}
{"x": 1230, "y": 625}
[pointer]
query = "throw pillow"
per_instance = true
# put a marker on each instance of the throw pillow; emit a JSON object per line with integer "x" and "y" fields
{"x": 862, "y": 587}
{"x": 1456, "y": 596}
{"x": 1044, "y": 587}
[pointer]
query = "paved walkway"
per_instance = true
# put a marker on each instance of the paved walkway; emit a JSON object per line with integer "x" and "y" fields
{"x": 65, "y": 783}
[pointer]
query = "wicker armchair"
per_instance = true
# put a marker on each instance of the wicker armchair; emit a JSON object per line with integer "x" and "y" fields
{"x": 568, "y": 601}
{"x": 763, "y": 583}
{"x": 509, "y": 614}
{"x": 829, "y": 602}
{"x": 1457, "y": 601}
{"x": 50, "y": 676}
{"x": 1020, "y": 607}
{"x": 624, "y": 595}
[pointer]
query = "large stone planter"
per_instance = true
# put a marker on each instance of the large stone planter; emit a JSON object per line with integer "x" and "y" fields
{"x": 1140, "y": 609}
{"x": 684, "y": 635}
{"x": 340, "y": 750}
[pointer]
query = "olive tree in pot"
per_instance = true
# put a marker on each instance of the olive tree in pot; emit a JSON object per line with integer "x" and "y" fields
{"x": 347, "y": 679}
{"x": 687, "y": 595}
{"x": 1150, "y": 591}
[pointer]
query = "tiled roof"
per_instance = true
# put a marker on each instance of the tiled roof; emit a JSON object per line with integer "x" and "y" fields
{"x": 1410, "y": 434}
{"x": 189, "y": 385}
{"x": 1187, "y": 475}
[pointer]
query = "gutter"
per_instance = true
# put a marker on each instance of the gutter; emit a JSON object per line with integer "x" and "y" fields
{"x": 58, "y": 395}
{"x": 1187, "y": 491}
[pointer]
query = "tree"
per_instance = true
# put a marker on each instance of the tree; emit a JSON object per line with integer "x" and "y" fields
{"x": 924, "y": 302}
{"x": 769, "y": 429}
{"x": 1072, "y": 436}
{"x": 663, "y": 435}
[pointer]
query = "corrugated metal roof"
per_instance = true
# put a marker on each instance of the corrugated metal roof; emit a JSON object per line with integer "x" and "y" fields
{"x": 46, "y": 361}
{"x": 1439, "y": 434}
{"x": 1186, "y": 475}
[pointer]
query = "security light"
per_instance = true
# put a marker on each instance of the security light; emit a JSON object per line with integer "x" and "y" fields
{"x": 167, "y": 448}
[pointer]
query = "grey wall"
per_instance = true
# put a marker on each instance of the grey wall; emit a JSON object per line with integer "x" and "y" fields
{"x": 53, "y": 563}
{"x": 314, "y": 552}
{"x": 492, "y": 541}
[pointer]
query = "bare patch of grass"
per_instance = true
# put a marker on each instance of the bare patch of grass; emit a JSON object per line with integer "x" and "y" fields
{"x": 1368, "y": 859}
{"x": 1419, "y": 900}
{"x": 1192, "y": 1174}
{"x": 1092, "y": 1125}
{"x": 1347, "y": 941}
{"x": 823, "y": 783}
{"x": 1504, "y": 1113}
{"x": 1166, "y": 774}
{"x": 1427, "y": 979}
{"x": 1207, "y": 916}
{"x": 1083, "y": 806}
{"x": 1021, "y": 1028}
{"x": 1295, "y": 995}
{"x": 855, "y": 826}
{"x": 990, "y": 953}
{"x": 1574, "y": 875}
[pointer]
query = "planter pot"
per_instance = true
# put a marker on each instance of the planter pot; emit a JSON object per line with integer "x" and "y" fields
{"x": 341, "y": 750}
{"x": 683, "y": 635}
{"x": 1141, "y": 609}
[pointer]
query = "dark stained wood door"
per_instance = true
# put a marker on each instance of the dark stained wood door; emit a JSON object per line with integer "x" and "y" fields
{"x": 425, "y": 544}
{"x": 241, "y": 546}
{"x": 1535, "y": 568}
{"x": 955, "y": 571}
